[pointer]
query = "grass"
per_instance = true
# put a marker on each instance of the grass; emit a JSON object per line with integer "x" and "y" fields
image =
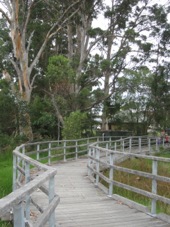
{"x": 5, "y": 179}
{"x": 163, "y": 188}
{"x": 5, "y": 174}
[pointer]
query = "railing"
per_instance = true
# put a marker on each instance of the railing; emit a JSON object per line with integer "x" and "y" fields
{"x": 24, "y": 185}
{"x": 32, "y": 172}
{"x": 106, "y": 155}
{"x": 30, "y": 176}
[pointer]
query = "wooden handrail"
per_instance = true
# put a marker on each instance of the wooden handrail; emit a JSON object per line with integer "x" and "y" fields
{"x": 101, "y": 157}
{"x": 24, "y": 184}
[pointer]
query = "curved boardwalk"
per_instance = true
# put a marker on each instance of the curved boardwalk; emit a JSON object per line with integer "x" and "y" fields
{"x": 83, "y": 205}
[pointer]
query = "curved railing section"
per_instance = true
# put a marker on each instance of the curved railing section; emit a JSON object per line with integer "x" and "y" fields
{"x": 33, "y": 173}
{"x": 108, "y": 155}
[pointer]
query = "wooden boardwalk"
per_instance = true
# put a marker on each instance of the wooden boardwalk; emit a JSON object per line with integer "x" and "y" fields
{"x": 83, "y": 205}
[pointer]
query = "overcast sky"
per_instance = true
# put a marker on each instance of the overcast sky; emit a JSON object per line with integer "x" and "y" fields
{"x": 102, "y": 23}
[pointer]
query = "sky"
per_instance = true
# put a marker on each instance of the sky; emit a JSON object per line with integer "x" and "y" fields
{"x": 102, "y": 22}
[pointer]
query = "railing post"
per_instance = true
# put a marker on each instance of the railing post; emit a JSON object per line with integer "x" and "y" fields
{"x": 149, "y": 145}
{"x": 51, "y": 197}
{"x": 76, "y": 150}
{"x": 23, "y": 152}
{"x": 14, "y": 172}
{"x": 49, "y": 154}
{"x": 130, "y": 144}
{"x": 38, "y": 150}
{"x": 115, "y": 146}
{"x": 64, "y": 151}
{"x": 154, "y": 186}
{"x": 19, "y": 215}
{"x": 111, "y": 175}
{"x": 140, "y": 145}
{"x": 97, "y": 165}
{"x": 107, "y": 147}
{"x": 89, "y": 160}
{"x": 157, "y": 145}
{"x": 110, "y": 141}
{"x": 123, "y": 145}
{"x": 27, "y": 179}
{"x": 88, "y": 142}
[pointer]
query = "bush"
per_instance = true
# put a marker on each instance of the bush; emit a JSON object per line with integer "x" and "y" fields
{"x": 73, "y": 125}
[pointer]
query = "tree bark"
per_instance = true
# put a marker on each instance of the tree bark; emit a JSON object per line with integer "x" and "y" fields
{"x": 18, "y": 20}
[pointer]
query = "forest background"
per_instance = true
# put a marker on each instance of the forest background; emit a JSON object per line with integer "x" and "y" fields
{"x": 61, "y": 70}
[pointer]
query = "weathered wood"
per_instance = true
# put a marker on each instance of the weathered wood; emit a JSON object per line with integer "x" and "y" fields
{"x": 100, "y": 162}
{"x": 19, "y": 195}
{"x": 82, "y": 204}
{"x": 47, "y": 213}
{"x": 40, "y": 209}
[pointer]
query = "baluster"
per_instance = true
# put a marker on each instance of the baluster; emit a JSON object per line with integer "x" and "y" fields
{"x": 97, "y": 165}
{"x": 38, "y": 151}
{"x": 154, "y": 186}
{"x": 49, "y": 154}
{"x": 14, "y": 172}
{"x": 64, "y": 151}
{"x": 88, "y": 142}
{"x": 123, "y": 145}
{"x": 149, "y": 145}
{"x": 89, "y": 161}
{"x": 23, "y": 152}
{"x": 111, "y": 175}
{"x": 107, "y": 147}
{"x": 157, "y": 145}
{"x": 139, "y": 141}
{"x": 110, "y": 141}
{"x": 76, "y": 150}
{"x": 51, "y": 197}
{"x": 27, "y": 179}
{"x": 19, "y": 215}
{"x": 115, "y": 145}
{"x": 130, "y": 145}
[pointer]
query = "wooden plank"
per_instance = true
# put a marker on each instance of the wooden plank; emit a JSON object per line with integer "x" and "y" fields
{"x": 82, "y": 204}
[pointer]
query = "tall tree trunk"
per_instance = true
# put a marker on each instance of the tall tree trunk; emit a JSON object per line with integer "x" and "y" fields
{"x": 18, "y": 18}
{"x": 81, "y": 49}
{"x": 107, "y": 74}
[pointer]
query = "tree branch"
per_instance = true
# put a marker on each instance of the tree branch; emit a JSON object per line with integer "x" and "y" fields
{"x": 50, "y": 34}
{"x": 16, "y": 67}
{"x": 27, "y": 18}
{"x": 29, "y": 41}
{"x": 5, "y": 15}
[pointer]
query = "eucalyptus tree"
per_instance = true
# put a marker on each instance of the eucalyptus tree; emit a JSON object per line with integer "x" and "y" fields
{"x": 135, "y": 102}
{"x": 74, "y": 89}
{"x": 129, "y": 41}
{"x": 20, "y": 20}
{"x": 160, "y": 97}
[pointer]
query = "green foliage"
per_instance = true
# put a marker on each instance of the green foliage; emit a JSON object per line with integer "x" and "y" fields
{"x": 74, "y": 125}
{"x": 43, "y": 117}
{"x": 95, "y": 32}
{"x": 59, "y": 69}
{"x": 160, "y": 97}
{"x": 105, "y": 65}
{"x": 8, "y": 107}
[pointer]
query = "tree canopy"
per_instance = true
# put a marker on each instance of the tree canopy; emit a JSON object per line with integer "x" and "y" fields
{"x": 55, "y": 61}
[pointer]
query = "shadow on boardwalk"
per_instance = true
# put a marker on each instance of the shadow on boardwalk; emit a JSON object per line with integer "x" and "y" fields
{"x": 83, "y": 205}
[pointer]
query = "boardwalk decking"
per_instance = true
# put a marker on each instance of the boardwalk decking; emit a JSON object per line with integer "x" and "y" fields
{"x": 83, "y": 205}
